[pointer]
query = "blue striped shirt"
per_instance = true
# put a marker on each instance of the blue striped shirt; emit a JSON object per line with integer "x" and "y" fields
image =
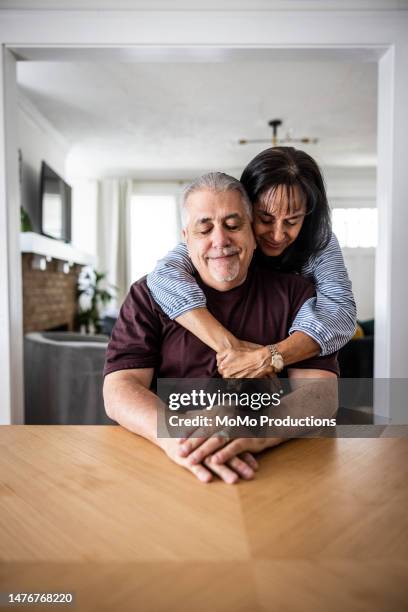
{"x": 329, "y": 318}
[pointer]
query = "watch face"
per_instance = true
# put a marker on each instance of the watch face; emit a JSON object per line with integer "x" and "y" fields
{"x": 277, "y": 362}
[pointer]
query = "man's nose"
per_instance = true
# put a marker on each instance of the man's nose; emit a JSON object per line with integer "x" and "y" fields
{"x": 220, "y": 237}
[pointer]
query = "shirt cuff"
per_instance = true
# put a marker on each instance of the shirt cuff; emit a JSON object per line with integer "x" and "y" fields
{"x": 185, "y": 308}
{"x": 314, "y": 335}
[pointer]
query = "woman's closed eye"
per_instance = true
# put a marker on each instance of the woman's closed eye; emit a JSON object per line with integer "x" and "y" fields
{"x": 268, "y": 220}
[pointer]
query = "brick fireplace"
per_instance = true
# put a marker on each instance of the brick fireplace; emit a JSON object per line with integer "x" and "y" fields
{"x": 50, "y": 270}
{"x": 49, "y": 296}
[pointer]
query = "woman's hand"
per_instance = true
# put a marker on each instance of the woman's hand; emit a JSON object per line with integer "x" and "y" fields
{"x": 247, "y": 361}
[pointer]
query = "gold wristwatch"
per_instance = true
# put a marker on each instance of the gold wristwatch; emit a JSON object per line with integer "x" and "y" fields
{"x": 276, "y": 358}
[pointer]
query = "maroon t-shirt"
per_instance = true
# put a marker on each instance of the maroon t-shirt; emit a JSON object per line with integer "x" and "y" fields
{"x": 260, "y": 310}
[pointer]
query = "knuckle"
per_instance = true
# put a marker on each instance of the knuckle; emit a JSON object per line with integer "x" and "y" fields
{"x": 208, "y": 461}
{"x": 194, "y": 458}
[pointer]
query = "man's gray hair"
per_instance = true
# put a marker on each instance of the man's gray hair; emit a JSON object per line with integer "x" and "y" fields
{"x": 218, "y": 182}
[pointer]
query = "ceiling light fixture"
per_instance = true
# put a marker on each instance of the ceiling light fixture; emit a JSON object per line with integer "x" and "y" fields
{"x": 274, "y": 140}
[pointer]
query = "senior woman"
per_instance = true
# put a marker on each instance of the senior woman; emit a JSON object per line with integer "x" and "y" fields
{"x": 291, "y": 223}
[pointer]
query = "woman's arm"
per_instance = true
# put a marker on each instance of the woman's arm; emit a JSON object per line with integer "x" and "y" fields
{"x": 202, "y": 324}
{"x": 175, "y": 290}
{"x": 254, "y": 361}
{"x": 314, "y": 330}
{"x": 172, "y": 283}
{"x": 330, "y": 317}
{"x": 322, "y": 326}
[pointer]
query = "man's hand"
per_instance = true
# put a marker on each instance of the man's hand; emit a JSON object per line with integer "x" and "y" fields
{"x": 243, "y": 445}
{"x": 246, "y": 361}
{"x": 200, "y": 443}
{"x": 200, "y": 462}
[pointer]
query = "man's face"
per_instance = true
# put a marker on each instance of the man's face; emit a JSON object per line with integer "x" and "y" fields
{"x": 219, "y": 237}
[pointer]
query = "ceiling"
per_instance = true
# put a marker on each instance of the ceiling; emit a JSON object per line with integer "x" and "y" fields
{"x": 175, "y": 119}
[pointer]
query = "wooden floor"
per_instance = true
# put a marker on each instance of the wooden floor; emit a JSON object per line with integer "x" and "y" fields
{"x": 104, "y": 513}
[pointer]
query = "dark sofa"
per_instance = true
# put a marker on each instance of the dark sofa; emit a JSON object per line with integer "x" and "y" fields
{"x": 356, "y": 358}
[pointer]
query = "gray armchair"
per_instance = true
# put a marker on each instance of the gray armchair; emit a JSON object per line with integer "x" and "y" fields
{"x": 63, "y": 378}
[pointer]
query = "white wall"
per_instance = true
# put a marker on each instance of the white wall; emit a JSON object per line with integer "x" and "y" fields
{"x": 38, "y": 141}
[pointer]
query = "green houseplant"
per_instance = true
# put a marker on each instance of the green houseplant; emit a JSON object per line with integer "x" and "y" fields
{"x": 25, "y": 221}
{"x": 93, "y": 294}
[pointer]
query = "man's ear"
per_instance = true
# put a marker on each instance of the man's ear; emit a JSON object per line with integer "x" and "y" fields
{"x": 184, "y": 234}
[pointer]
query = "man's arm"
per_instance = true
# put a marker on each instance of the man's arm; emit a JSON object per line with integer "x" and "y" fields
{"x": 129, "y": 402}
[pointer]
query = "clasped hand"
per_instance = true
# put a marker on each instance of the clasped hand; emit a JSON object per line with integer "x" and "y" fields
{"x": 211, "y": 452}
{"x": 246, "y": 360}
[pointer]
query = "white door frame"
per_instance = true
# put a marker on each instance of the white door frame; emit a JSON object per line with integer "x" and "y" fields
{"x": 216, "y": 36}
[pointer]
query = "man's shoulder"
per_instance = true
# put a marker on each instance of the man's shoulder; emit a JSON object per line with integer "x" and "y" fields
{"x": 139, "y": 296}
{"x": 139, "y": 287}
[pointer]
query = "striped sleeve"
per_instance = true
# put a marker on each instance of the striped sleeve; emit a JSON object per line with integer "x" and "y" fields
{"x": 172, "y": 283}
{"x": 330, "y": 317}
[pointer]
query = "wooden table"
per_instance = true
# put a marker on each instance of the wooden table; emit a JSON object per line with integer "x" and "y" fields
{"x": 104, "y": 513}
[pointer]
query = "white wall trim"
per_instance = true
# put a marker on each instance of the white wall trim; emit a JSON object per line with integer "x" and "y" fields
{"x": 205, "y": 5}
{"x": 11, "y": 299}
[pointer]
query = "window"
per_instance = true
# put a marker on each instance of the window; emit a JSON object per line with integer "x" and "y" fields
{"x": 154, "y": 231}
{"x": 355, "y": 227}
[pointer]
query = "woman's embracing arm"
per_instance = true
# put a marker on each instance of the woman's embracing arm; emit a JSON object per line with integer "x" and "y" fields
{"x": 330, "y": 317}
{"x": 175, "y": 289}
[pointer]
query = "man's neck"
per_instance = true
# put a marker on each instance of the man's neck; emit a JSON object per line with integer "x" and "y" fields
{"x": 223, "y": 286}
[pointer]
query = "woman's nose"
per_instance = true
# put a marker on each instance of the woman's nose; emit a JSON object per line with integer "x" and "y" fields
{"x": 277, "y": 233}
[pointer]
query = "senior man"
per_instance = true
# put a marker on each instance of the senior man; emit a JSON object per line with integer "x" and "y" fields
{"x": 253, "y": 302}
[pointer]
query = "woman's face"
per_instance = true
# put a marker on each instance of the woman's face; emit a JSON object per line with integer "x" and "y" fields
{"x": 276, "y": 224}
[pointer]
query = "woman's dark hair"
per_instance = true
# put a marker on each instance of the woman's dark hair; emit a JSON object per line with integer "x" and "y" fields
{"x": 289, "y": 167}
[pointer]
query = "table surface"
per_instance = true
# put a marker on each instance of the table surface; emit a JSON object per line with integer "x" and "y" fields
{"x": 104, "y": 513}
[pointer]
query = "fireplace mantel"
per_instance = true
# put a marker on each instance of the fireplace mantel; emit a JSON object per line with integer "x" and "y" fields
{"x": 48, "y": 247}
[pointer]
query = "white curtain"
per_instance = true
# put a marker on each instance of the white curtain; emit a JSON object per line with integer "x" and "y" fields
{"x": 113, "y": 234}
